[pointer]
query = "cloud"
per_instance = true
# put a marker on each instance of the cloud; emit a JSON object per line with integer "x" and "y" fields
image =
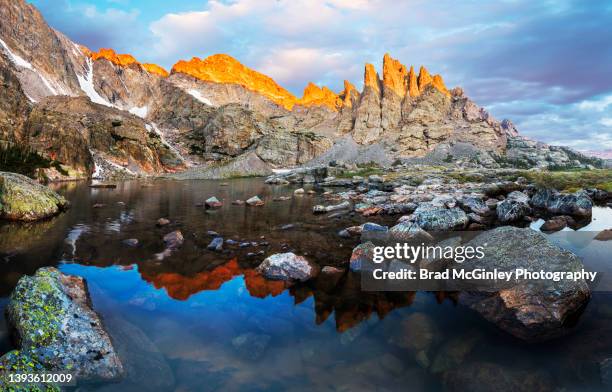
{"x": 92, "y": 26}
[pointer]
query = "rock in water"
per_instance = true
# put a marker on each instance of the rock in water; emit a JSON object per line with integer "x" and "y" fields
{"x": 288, "y": 266}
{"x": 441, "y": 219}
{"x": 22, "y": 199}
{"x": 216, "y": 244}
{"x": 530, "y": 310}
{"x": 173, "y": 240}
{"x": 604, "y": 235}
{"x": 557, "y": 223}
{"x": 213, "y": 202}
{"x": 162, "y": 222}
{"x": 574, "y": 204}
{"x": 57, "y": 330}
{"x": 255, "y": 201}
{"x": 514, "y": 208}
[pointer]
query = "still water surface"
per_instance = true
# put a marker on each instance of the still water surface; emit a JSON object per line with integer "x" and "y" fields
{"x": 200, "y": 320}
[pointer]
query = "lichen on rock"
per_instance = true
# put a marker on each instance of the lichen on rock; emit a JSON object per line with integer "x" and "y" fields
{"x": 22, "y": 199}
{"x": 57, "y": 331}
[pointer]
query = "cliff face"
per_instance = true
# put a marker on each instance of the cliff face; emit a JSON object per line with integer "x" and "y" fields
{"x": 210, "y": 110}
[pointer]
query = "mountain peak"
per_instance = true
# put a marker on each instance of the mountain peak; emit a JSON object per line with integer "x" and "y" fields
{"x": 123, "y": 60}
{"x": 320, "y": 96}
{"x": 222, "y": 68}
{"x": 394, "y": 75}
{"x": 371, "y": 78}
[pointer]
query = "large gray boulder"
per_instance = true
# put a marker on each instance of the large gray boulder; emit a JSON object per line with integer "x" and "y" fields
{"x": 441, "y": 219}
{"x": 57, "y": 330}
{"x": 22, "y": 199}
{"x": 574, "y": 204}
{"x": 514, "y": 208}
{"x": 528, "y": 309}
{"x": 288, "y": 266}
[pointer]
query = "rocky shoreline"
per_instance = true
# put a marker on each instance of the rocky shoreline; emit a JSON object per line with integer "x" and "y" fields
{"x": 425, "y": 201}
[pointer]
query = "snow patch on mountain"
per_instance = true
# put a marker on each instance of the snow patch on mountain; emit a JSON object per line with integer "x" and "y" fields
{"x": 140, "y": 111}
{"x": 197, "y": 95}
{"x": 17, "y": 60}
{"x": 86, "y": 83}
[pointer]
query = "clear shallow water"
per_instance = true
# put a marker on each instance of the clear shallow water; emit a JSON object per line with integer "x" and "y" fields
{"x": 205, "y": 321}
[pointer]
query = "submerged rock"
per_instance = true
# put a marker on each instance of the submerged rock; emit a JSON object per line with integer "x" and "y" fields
{"x": 530, "y": 310}
{"x": 22, "y": 199}
{"x": 57, "y": 330}
{"x": 132, "y": 242}
{"x": 251, "y": 345}
{"x": 174, "y": 240}
{"x": 288, "y": 266}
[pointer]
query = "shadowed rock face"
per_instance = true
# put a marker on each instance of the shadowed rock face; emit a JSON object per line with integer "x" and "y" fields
{"x": 57, "y": 329}
{"x": 72, "y": 130}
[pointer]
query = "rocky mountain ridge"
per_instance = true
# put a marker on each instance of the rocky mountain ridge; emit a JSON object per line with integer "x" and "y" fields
{"x": 207, "y": 114}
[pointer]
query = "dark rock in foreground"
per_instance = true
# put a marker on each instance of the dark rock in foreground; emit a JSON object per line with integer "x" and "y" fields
{"x": 530, "y": 310}
{"x": 288, "y": 266}
{"x": 57, "y": 330}
{"x": 22, "y": 199}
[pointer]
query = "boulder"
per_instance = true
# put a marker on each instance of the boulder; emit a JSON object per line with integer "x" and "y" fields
{"x": 216, "y": 244}
{"x": 408, "y": 231}
{"x": 174, "y": 240}
{"x": 57, "y": 330}
{"x": 288, "y": 266}
{"x": 604, "y": 235}
{"x": 162, "y": 222}
{"x": 557, "y": 223}
{"x": 22, "y": 199}
{"x": 441, "y": 219}
{"x": 475, "y": 205}
{"x": 362, "y": 257}
{"x": 574, "y": 204}
{"x": 514, "y": 208}
{"x": 213, "y": 202}
{"x": 530, "y": 310}
{"x": 255, "y": 201}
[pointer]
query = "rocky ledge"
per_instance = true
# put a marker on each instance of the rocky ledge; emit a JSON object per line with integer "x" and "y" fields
{"x": 56, "y": 330}
{"x": 22, "y": 199}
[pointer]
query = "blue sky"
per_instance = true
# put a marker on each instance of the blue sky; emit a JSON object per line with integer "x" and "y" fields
{"x": 546, "y": 65}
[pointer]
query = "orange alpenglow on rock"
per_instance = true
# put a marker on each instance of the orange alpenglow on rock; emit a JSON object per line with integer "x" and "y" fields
{"x": 394, "y": 75}
{"x": 370, "y": 78}
{"x": 119, "y": 59}
{"x": 317, "y": 96}
{"x": 155, "y": 69}
{"x": 413, "y": 87}
{"x": 424, "y": 79}
{"x": 438, "y": 83}
{"x": 123, "y": 60}
{"x": 348, "y": 93}
{"x": 221, "y": 68}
